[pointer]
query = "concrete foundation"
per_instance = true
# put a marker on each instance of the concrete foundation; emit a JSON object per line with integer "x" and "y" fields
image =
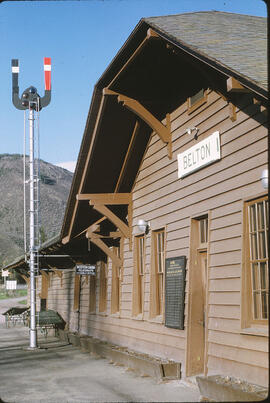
{"x": 218, "y": 388}
{"x": 142, "y": 364}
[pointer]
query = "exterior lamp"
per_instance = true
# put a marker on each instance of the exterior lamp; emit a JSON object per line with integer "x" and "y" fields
{"x": 191, "y": 129}
{"x": 143, "y": 226}
{"x": 264, "y": 178}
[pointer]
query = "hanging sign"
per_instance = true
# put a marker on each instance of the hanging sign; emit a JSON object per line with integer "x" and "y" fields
{"x": 175, "y": 275}
{"x": 202, "y": 154}
{"x": 5, "y": 273}
{"x": 11, "y": 284}
{"x": 85, "y": 269}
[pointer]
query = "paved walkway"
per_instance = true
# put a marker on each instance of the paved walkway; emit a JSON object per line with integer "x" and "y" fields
{"x": 58, "y": 373}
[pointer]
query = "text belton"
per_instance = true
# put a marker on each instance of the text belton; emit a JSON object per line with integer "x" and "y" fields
{"x": 203, "y": 153}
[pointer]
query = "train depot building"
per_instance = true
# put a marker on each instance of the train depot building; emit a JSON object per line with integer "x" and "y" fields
{"x": 167, "y": 204}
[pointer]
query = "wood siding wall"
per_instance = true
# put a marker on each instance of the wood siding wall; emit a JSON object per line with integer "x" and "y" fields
{"x": 166, "y": 201}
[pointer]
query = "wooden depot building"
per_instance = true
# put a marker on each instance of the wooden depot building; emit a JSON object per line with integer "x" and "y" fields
{"x": 167, "y": 203}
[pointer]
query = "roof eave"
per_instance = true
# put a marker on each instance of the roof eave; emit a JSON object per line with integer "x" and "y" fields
{"x": 217, "y": 65}
{"x": 136, "y": 36}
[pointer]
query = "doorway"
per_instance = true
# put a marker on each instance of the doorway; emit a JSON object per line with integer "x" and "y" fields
{"x": 196, "y": 332}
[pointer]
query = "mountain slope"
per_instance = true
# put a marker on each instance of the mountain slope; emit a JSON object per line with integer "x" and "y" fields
{"x": 55, "y": 184}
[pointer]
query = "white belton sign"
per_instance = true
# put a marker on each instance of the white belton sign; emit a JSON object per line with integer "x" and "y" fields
{"x": 203, "y": 153}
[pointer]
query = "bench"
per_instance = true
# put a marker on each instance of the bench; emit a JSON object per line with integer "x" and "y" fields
{"x": 49, "y": 319}
{"x": 16, "y": 315}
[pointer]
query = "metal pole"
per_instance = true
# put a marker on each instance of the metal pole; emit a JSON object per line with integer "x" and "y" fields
{"x": 32, "y": 101}
{"x": 33, "y": 252}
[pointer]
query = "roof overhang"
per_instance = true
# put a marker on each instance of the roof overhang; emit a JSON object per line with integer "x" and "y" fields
{"x": 157, "y": 71}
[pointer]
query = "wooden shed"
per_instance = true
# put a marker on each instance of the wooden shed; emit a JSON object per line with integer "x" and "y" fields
{"x": 167, "y": 201}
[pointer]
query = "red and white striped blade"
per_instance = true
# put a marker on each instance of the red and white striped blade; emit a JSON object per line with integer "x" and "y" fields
{"x": 47, "y": 71}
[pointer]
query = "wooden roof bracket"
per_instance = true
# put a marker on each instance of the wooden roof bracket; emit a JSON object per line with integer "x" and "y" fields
{"x": 59, "y": 273}
{"x": 151, "y": 34}
{"x": 46, "y": 278}
{"x": 101, "y": 245}
{"x": 164, "y": 132}
{"x": 234, "y": 85}
{"x": 26, "y": 279}
{"x": 99, "y": 202}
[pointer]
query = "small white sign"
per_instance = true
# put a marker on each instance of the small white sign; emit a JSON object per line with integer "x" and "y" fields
{"x": 203, "y": 153}
{"x": 5, "y": 273}
{"x": 86, "y": 269}
{"x": 11, "y": 284}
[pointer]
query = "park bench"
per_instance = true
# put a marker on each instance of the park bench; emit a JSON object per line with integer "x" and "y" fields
{"x": 16, "y": 315}
{"x": 49, "y": 319}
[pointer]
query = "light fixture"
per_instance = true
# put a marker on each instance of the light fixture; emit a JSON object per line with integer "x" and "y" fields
{"x": 191, "y": 129}
{"x": 264, "y": 178}
{"x": 143, "y": 226}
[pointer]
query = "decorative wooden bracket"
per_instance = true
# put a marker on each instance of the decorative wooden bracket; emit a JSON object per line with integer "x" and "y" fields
{"x": 232, "y": 112}
{"x": 26, "y": 279}
{"x": 164, "y": 132}
{"x": 101, "y": 245}
{"x": 124, "y": 228}
{"x": 44, "y": 273}
{"x": 261, "y": 107}
{"x": 234, "y": 85}
{"x": 99, "y": 202}
{"x": 45, "y": 284}
{"x": 59, "y": 273}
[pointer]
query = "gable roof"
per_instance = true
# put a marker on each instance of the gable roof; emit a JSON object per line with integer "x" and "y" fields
{"x": 236, "y": 41}
{"x": 225, "y": 44}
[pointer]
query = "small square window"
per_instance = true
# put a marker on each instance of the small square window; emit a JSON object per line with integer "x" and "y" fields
{"x": 196, "y": 100}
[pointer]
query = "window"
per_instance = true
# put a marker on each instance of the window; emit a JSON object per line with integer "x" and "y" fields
{"x": 138, "y": 275}
{"x": 140, "y": 250}
{"x": 115, "y": 293}
{"x": 203, "y": 232}
{"x": 158, "y": 268}
{"x": 196, "y": 100}
{"x": 77, "y": 290}
{"x": 92, "y": 294}
{"x": 257, "y": 260}
{"x": 102, "y": 287}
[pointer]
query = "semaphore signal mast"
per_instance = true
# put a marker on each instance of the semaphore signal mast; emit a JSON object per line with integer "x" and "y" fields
{"x": 31, "y": 101}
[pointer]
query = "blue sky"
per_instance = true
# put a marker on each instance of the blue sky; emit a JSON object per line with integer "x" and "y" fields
{"x": 81, "y": 37}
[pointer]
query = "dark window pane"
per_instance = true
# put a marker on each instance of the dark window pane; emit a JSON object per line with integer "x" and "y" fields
{"x": 264, "y": 305}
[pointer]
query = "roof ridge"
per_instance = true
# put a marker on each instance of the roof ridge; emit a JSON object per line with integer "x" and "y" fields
{"x": 201, "y": 12}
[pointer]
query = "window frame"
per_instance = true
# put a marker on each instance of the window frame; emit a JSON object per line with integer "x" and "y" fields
{"x": 247, "y": 301}
{"x": 191, "y": 107}
{"x": 203, "y": 230}
{"x": 157, "y": 299}
{"x": 103, "y": 287}
{"x": 138, "y": 275}
{"x": 92, "y": 294}
{"x": 76, "y": 292}
{"x": 140, "y": 254}
{"x": 115, "y": 283}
